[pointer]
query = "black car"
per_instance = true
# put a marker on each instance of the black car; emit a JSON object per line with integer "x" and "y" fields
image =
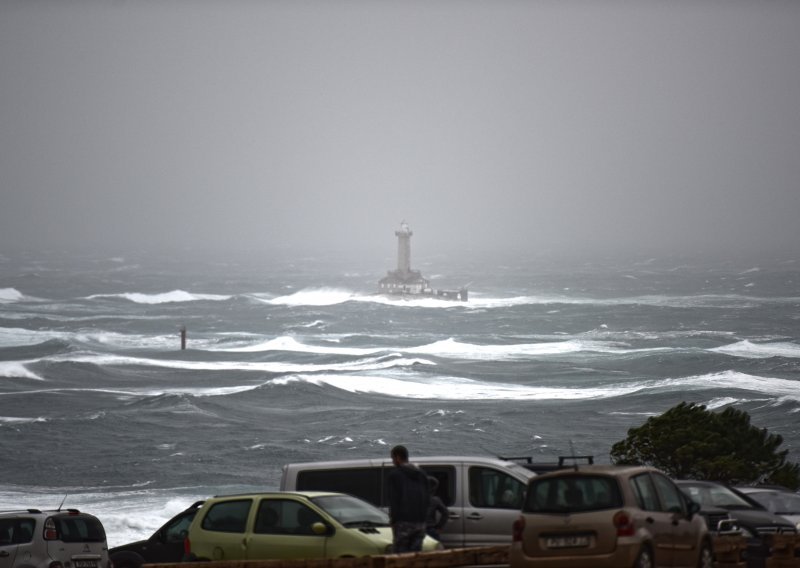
{"x": 166, "y": 544}
{"x": 754, "y": 520}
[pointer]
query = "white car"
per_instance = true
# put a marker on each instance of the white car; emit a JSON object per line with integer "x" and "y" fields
{"x": 66, "y": 538}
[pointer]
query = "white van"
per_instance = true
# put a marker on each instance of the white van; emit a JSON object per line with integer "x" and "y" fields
{"x": 484, "y": 494}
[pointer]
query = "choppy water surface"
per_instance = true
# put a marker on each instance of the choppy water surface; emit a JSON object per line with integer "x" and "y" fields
{"x": 293, "y": 360}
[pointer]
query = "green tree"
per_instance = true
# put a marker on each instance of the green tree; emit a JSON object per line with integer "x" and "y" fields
{"x": 690, "y": 442}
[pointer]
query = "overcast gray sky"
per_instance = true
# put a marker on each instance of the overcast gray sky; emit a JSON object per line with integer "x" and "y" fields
{"x": 551, "y": 125}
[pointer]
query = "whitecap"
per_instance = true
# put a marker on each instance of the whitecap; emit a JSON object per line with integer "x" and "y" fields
{"x": 371, "y": 363}
{"x": 286, "y": 343}
{"x": 313, "y": 297}
{"x": 749, "y": 350}
{"x": 164, "y": 298}
{"x": 16, "y": 369}
{"x": 9, "y": 295}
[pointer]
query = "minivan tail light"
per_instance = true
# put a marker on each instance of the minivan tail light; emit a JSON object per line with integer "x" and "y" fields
{"x": 624, "y": 524}
{"x": 517, "y": 529}
{"x": 187, "y": 547}
{"x": 51, "y": 533}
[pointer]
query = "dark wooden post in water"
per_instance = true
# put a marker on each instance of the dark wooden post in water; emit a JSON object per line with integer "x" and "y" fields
{"x": 183, "y": 337}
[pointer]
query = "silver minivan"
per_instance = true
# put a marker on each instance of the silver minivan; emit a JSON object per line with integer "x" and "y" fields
{"x": 484, "y": 495}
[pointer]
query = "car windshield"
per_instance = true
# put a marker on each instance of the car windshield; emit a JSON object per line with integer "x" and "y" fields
{"x": 352, "y": 512}
{"x": 712, "y": 495}
{"x": 572, "y": 493}
{"x": 779, "y": 502}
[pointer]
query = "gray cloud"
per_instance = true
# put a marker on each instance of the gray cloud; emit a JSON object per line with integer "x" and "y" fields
{"x": 557, "y": 126}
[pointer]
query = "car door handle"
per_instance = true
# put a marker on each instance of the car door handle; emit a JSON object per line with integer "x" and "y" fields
{"x": 4, "y": 553}
{"x": 474, "y": 516}
{"x": 453, "y": 516}
{"x": 650, "y": 520}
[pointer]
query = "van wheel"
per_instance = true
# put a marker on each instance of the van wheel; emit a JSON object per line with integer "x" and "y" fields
{"x": 645, "y": 559}
{"x": 706, "y": 559}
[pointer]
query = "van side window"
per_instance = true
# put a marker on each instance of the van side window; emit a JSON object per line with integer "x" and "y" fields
{"x": 446, "y": 476}
{"x": 228, "y": 516}
{"x": 494, "y": 489}
{"x": 363, "y": 482}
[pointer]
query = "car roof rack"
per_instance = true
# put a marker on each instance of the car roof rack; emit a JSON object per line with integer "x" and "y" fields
{"x": 543, "y": 467}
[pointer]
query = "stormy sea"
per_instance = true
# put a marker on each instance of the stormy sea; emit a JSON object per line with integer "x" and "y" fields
{"x": 295, "y": 358}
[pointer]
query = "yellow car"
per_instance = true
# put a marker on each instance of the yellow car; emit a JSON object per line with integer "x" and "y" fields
{"x": 288, "y": 524}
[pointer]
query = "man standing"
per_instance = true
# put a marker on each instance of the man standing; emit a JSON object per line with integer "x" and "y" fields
{"x": 409, "y": 498}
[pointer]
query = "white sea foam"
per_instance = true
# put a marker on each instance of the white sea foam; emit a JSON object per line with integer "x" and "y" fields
{"x": 720, "y": 402}
{"x": 164, "y": 298}
{"x": 454, "y": 388}
{"x": 9, "y": 295}
{"x": 286, "y": 343}
{"x": 313, "y": 297}
{"x": 749, "y": 350}
{"x": 21, "y": 420}
{"x": 334, "y": 296}
{"x": 451, "y": 348}
{"x": 368, "y": 364}
{"x": 17, "y": 369}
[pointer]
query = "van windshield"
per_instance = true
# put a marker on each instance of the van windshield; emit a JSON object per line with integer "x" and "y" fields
{"x": 352, "y": 512}
{"x": 572, "y": 493}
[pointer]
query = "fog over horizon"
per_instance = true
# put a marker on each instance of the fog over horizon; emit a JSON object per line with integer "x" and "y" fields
{"x": 546, "y": 126}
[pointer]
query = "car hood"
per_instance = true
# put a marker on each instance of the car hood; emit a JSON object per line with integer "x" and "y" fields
{"x": 752, "y": 518}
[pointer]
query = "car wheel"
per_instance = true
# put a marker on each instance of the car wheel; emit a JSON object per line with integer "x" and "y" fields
{"x": 645, "y": 559}
{"x": 706, "y": 559}
{"x": 127, "y": 560}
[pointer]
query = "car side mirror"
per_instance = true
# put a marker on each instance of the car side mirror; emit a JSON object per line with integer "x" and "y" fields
{"x": 693, "y": 509}
{"x": 320, "y": 529}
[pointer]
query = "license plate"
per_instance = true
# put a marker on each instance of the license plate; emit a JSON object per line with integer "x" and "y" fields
{"x": 575, "y": 541}
{"x": 85, "y": 564}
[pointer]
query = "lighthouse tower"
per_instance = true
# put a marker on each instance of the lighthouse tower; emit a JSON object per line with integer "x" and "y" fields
{"x": 404, "y": 248}
{"x": 404, "y": 280}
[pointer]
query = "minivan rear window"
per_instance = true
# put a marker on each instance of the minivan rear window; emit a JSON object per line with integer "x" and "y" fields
{"x": 572, "y": 493}
{"x": 79, "y": 528}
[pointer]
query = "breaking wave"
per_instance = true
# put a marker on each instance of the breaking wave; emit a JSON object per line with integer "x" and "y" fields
{"x": 749, "y": 350}
{"x": 334, "y": 296}
{"x": 15, "y": 369}
{"x": 164, "y": 298}
{"x": 9, "y": 295}
{"x": 456, "y": 388}
{"x": 369, "y": 364}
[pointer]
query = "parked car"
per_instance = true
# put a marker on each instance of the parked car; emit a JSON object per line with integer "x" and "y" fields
{"x": 753, "y": 519}
{"x": 165, "y": 545}
{"x": 290, "y": 525}
{"x": 65, "y": 538}
{"x": 781, "y": 502}
{"x": 608, "y": 516}
{"x": 483, "y": 494}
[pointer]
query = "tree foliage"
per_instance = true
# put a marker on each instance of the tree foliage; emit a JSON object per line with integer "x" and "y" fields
{"x": 690, "y": 442}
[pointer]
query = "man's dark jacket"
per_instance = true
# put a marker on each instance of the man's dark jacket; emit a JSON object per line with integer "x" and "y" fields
{"x": 409, "y": 494}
